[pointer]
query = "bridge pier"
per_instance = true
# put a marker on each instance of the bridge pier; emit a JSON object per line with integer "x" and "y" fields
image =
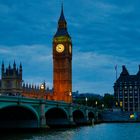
{"x": 86, "y": 115}
{"x": 71, "y": 116}
{"x": 42, "y": 115}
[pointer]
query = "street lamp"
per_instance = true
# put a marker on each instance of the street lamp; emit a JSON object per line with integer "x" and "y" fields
{"x": 96, "y": 102}
{"x": 42, "y": 87}
{"x": 42, "y": 90}
{"x": 86, "y": 100}
{"x": 102, "y": 106}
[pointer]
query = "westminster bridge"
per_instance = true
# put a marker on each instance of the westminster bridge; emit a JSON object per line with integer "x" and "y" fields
{"x": 21, "y": 112}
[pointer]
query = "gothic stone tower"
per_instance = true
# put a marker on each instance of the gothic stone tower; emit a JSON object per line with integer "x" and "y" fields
{"x": 62, "y": 62}
{"x": 11, "y": 82}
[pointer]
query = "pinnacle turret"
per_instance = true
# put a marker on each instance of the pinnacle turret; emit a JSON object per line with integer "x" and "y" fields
{"x": 14, "y": 65}
{"x": 2, "y": 66}
{"x": 20, "y": 67}
{"x": 124, "y": 71}
{"x": 138, "y": 71}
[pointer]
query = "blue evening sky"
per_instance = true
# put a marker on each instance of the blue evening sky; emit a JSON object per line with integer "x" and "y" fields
{"x": 104, "y": 33}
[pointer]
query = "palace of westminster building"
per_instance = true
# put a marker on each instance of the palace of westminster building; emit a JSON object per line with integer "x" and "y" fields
{"x": 126, "y": 87}
{"x": 11, "y": 83}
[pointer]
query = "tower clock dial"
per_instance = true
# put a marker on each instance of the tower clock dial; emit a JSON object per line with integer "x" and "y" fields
{"x": 69, "y": 48}
{"x": 60, "y": 48}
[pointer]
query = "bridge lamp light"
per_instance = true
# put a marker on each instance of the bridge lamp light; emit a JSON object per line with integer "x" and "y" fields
{"x": 102, "y": 105}
{"x": 86, "y": 100}
{"x": 96, "y": 103}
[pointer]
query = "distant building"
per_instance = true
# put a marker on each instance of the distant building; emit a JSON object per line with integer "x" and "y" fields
{"x": 75, "y": 94}
{"x": 82, "y": 96}
{"x": 127, "y": 91}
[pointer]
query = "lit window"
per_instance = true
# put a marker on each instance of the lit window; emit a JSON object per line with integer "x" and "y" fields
{"x": 120, "y": 104}
{"x": 130, "y": 91}
{"x": 132, "y": 116}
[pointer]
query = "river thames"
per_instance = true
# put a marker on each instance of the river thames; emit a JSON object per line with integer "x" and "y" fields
{"x": 114, "y": 131}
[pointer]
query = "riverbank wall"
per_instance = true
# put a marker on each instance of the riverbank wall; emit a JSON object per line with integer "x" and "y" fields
{"x": 120, "y": 116}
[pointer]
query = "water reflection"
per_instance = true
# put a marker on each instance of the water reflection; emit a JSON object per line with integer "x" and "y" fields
{"x": 125, "y": 131}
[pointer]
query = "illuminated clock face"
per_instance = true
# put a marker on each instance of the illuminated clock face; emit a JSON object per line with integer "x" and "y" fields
{"x": 70, "y": 48}
{"x": 60, "y": 48}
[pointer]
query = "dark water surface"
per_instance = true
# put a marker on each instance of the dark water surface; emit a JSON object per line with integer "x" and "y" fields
{"x": 115, "y": 131}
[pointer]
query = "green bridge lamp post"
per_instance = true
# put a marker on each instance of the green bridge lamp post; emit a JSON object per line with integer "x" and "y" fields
{"x": 102, "y": 106}
{"x": 96, "y": 103}
{"x": 86, "y": 100}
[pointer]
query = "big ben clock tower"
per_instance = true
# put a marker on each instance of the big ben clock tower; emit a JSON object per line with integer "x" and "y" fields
{"x": 62, "y": 62}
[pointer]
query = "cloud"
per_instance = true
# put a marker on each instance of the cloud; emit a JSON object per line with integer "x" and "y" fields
{"x": 4, "y": 51}
{"x": 4, "y": 9}
{"x": 97, "y": 87}
{"x": 37, "y": 63}
{"x": 104, "y": 33}
{"x": 92, "y": 71}
{"x": 99, "y": 69}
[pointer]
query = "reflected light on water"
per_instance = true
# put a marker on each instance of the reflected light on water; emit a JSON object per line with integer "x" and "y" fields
{"x": 124, "y": 131}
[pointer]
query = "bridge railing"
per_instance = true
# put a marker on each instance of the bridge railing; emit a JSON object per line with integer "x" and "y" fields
{"x": 44, "y": 101}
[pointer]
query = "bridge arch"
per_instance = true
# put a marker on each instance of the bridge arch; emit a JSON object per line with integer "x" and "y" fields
{"x": 52, "y": 107}
{"x": 91, "y": 116}
{"x": 56, "y": 116}
{"x": 18, "y": 116}
{"x": 78, "y": 117}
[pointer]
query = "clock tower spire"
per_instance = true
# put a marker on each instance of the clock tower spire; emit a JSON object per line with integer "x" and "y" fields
{"x": 62, "y": 61}
{"x": 62, "y": 25}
